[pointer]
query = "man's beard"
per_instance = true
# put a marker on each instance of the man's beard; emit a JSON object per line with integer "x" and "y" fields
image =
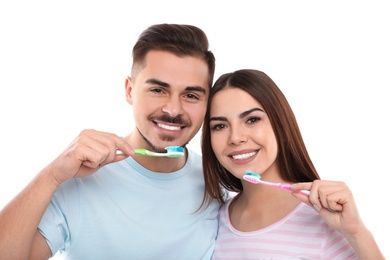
{"x": 165, "y": 118}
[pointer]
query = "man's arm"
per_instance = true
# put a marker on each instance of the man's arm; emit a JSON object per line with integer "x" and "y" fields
{"x": 20, "y": 218}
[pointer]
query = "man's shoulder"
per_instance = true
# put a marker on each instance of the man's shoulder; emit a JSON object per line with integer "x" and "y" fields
{"x": 194, "y": 152}
{"x": 195, "y": 156}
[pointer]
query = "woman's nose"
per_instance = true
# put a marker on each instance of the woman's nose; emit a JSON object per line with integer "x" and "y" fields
{"x": 237, "y": 135}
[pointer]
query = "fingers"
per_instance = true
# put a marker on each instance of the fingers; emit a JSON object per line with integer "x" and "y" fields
{"x": 335, "y": 203}
{"x": 87, "y": 153}
{"x": 331, "y": 195}
{"x": 296, "y": 187}
{"x": 99, "y": 148}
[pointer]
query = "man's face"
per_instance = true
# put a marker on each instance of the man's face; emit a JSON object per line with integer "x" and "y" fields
{"x": 169, "y": 98}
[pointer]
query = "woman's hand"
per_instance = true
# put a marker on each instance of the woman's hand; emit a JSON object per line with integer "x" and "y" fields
{"x": 335, "y": 203}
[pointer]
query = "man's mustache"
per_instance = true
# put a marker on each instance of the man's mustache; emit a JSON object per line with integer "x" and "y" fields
{"x": 173, "y": 120}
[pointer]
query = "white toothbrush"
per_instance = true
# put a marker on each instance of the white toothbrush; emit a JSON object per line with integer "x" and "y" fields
{"x": 172, "y": 151}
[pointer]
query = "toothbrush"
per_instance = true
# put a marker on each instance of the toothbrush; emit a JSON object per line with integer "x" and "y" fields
{"x": 256, "y": 179}
{"x": 172, "y": 151}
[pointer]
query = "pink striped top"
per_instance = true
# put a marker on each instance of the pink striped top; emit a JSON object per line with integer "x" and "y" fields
{"x": 302, "y": 234}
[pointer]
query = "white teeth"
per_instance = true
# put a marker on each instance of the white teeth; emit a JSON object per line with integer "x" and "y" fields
{"x": 243, "y": 156}
{"x": 167, "y": 127}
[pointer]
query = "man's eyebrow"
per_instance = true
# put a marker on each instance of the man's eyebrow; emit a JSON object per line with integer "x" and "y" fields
{"x": 196, "y": 88}
{"x": 166, "y": 85}
{"x": 157, "y": 82}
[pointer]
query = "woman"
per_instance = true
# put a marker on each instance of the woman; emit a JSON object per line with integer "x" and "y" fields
{"x": 250, "y": 126}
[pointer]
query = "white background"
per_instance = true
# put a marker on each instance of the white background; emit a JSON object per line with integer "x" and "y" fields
{"x": 63, "y": 66}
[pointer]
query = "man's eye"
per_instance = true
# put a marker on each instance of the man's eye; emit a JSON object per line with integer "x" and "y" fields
{"x": 157, "y": 90}
{"x": 192, "y": 96}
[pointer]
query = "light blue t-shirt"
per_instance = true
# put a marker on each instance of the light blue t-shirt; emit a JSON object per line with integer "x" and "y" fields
{"x": 125, "y": 211}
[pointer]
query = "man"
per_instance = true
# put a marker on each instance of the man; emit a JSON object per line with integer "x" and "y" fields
{"x": 91, "y": 203}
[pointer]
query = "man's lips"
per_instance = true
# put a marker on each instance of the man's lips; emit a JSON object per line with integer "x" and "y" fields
{"x": 169, "y": 127}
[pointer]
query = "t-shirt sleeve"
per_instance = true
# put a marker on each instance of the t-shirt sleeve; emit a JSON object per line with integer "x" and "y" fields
{"x": 63, "y": 208}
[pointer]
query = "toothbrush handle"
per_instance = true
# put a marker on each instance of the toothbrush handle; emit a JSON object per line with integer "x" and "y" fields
{"x": 119, "y": 152}
{"x": 143, "y": 151}
{"x": 287, "y": 186}
{"x": 304, "y": 192}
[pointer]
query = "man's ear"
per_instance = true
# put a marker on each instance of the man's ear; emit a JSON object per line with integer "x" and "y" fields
{"x": 128, "y": 89}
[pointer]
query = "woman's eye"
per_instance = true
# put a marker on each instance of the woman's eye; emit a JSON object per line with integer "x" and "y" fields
{"x": 217, "y": 127}
{"x": 253, "y": 120}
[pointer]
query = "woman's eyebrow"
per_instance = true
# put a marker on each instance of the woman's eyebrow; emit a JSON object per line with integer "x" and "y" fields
{"x": 245, "y": 113}
{"x": 218, "y": 118}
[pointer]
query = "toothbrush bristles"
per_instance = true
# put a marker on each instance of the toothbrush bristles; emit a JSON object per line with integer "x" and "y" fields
{"x": 255, "y": 178}
{"x": 251, "y": 179}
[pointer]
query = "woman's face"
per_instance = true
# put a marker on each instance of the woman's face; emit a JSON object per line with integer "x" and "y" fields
{"x": 242, "y": 137}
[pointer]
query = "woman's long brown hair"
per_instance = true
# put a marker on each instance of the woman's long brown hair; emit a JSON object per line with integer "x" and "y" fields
{"x": 293, "y": 159}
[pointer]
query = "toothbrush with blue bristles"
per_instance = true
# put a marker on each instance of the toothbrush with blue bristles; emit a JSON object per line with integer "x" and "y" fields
{"x": 255, "y": 178}
{"x": 172, "y": 151}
